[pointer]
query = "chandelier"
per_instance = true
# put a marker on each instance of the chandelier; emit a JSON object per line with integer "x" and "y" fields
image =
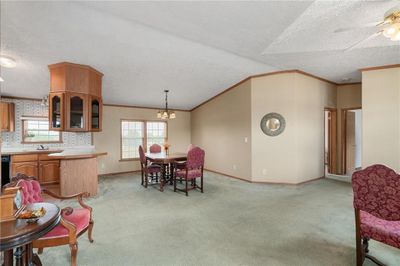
{"x": 166, "y": 114}
{"x": 392, "y": 26}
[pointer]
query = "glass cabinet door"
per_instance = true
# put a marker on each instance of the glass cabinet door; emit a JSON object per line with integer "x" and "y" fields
{"x": 76, "y": 112}
{"x": 56, "y": 112}
{"x": 95, "y": 114}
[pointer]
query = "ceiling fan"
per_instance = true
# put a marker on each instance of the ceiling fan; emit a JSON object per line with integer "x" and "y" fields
{"x": 389, "y": 27}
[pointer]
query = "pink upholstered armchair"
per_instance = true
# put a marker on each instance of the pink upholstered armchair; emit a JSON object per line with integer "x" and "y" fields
{"x": 190, "y": 170}
{"x": 74, "y": 222}
{"x": 148, "y": 170}
{"x": 377, "y": 209}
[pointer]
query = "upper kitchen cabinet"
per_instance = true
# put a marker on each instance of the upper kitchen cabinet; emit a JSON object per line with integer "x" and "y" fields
{"x": 75, "y": 102}
{"x": 7, "y": 116}
{"x": 95, "y": 113}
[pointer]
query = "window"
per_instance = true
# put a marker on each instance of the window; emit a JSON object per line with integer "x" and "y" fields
{"x": 131, "y": 138}
{"x": 136, "y": 133}
{"x": 156, "y": 133}
{"x": 36, "y": 130}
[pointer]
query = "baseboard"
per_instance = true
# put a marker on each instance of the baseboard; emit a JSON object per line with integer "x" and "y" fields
{"x": 343, "y": 178}
{"x": 266, "y": 182}
{"x": 235, "y": 177}
{"x": 120, "y": 173}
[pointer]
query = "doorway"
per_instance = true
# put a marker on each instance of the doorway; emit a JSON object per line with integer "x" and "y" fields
{"x": 330, "y": 147}
{"x": 351, "y": 140}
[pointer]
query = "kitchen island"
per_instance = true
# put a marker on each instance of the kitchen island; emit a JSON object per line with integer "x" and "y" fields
{"x": 72, "y": 171}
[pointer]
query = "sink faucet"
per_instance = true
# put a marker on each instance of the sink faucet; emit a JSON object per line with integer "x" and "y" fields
{"x": 41, "y": 147}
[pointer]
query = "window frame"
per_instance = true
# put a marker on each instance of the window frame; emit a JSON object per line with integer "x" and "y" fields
{"x": 38, "y": 118}
{"x": 144, "y": 141}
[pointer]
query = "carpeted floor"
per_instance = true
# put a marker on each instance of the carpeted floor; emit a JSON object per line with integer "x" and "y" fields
{"x": 232, "y": 223}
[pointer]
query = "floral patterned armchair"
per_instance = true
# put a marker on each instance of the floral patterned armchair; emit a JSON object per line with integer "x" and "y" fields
{"x": 190, "y": 170}
{"x": 74, "y": 222}
{"x": 377, "y": 208}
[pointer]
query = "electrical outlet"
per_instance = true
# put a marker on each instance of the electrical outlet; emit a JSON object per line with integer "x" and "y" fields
{"x": 264, "y": 171}
{"x": 245, "y": 140}
{"x": 102, "y": 166}
{"x": 234, "y": 167}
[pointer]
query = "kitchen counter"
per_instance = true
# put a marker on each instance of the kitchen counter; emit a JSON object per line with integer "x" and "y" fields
{"x": 56, "y": 154}
{"x": 73, "y": 168}
{"x": 17, "y": 151}
{"x": 78, "y": 154}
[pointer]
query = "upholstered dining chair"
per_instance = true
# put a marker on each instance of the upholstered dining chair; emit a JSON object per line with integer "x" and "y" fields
{"x": 190, "y": 170}
{"x": 377, "y": 209}
{"x": 155, "y": 148}
{"x": 148, "y": 170}
{"x": 74, "y": 221}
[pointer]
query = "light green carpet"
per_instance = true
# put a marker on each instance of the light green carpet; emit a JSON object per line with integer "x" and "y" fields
{"x": 232, "y": 223}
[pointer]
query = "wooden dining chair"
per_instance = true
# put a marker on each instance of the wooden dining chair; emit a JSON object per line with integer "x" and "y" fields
{"x": 190, "y": 170}
{"x": 74, "y": 221}
{"x": 155, "y": 148}
{"x": 377, "y": 209}
{"x": 148, "y": 170}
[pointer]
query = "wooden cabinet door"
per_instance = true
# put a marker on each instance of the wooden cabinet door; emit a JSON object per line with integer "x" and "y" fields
{"x": 27, "y": 168}
{"x": 49, "y": 172}
{"x": 56, "y": 111}
{"x": 77, "y": 112}
{"x": 95, "y": 113}
{"x": 7, "y": 116}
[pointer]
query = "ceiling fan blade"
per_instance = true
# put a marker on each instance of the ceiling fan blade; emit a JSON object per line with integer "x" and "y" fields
{"x": 376, "y": 34}
{"x": 364, "y": 26}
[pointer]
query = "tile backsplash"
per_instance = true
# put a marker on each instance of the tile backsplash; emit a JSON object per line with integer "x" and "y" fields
{"x": 34, "y": 108}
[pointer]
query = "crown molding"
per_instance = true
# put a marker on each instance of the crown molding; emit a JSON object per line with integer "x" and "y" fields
{"x": 379, "y": 67}
{"x": 142, "y": 107}
{"x": 264, "y": 75}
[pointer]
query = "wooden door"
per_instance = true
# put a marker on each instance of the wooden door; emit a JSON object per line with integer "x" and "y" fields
{"x": 56, "y": 111}
{"x": 350, "y": 142}
{"x": 77, "y": 112}
{"x": 331, "y": 139}
{"x": 49, "y": 172}
{"x": 27, "y": 168}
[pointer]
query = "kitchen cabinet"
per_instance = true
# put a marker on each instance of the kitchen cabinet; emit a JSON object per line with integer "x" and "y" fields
{"x": 75, "y": 102}
{"x": 77, "y": 112}
{"x": 49, "y": 172}
{"x": 7, "y": 116}
{"x": 95, "y": 113}
{"x": 56, "y": 111}
{"x": 27, "y": 168}
{"x": 41, "y": 166}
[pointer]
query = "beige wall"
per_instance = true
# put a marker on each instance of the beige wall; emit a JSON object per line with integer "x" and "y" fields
{"x": 348, "y": 96}
{"x": 220, "y": 128}
{"x": 381, "y": 117}
{"x": 297, "y": 154}
{"x": 109, "y": 139}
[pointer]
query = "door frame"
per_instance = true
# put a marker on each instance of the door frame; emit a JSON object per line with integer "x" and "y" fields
{"x": 332, "y": 145}
{"x": 343, "y": 139}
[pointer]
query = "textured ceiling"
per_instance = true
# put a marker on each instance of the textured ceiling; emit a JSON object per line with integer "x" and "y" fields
{"x": 195, "y": 49}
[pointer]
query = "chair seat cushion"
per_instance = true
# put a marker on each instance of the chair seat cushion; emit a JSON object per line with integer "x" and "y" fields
{"x": 79, "y": 217}
{"x": 153, "y": 168}
{"x": 380, "y": 230}
{"x": 192, "y": 174}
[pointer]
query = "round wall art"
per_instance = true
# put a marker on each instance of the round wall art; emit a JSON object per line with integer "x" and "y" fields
{"x": 273, "y": 124}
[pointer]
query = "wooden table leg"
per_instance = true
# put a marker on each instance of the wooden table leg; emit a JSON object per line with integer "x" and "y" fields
{"x": 162, "y": 178}
{"x": 19, "y": 255}
{"x": 8, "y": 257}
{"x": 28, "y": 254}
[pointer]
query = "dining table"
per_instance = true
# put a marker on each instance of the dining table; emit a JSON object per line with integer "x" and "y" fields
{"x": 166, "y": 160}
{"x": 19, "y": 234}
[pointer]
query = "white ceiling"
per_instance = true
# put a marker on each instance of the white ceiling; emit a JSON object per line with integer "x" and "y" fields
{"x": 195, "y": 49}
